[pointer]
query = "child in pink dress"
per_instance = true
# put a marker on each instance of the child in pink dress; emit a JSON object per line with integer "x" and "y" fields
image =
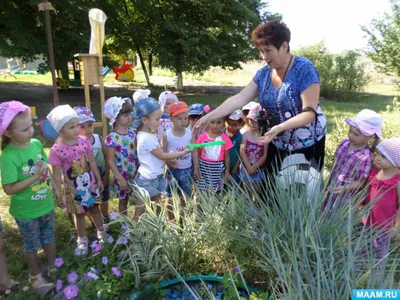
{"x": 384, "y": 194}
{"x": 212, "y": 163}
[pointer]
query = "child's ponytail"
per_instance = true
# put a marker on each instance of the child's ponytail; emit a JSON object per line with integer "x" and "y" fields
{"x": 373, "y": 142}
{"x": 5, "y": 140}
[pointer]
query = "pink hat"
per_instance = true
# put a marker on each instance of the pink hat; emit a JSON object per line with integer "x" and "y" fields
{"x": 8, "y": 111}
{"x": 254, "y": 112}
{"x": 368, "y": 122}
{"x": 390, "y": 148}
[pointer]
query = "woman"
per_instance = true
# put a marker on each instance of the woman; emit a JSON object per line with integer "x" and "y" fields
{"x": 288, "y": 87}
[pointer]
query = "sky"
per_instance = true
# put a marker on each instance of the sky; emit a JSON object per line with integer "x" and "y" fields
{"x": 337, "y": 22}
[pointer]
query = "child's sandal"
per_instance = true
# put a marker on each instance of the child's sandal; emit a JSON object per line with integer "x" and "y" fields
{"x": 15, "y": 287}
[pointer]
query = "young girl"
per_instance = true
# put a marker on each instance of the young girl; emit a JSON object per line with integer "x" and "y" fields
{"x": 121, "y": 150}
{"x": 72, "y": 156}
{"x": 151, "y": 156}
{"x": 211, "y": 164}
{"x": 86, "y": 121}
{"x": 354, "y": 158}
{"x": 165, "y": 99}
{"x": 233, "y": 124}
{"x": 384, "y": 193}
{"x": 26, "y": 177}
{"x": 252, "y": 154}
{"x": 177, "y": 139}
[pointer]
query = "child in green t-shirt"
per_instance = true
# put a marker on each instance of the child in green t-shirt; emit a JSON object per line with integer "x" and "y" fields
{"x": 26, "y": 177}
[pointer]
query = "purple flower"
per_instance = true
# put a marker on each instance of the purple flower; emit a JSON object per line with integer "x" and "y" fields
{"x": 116, "y": 272}
{"x": 97, "y": 248}
{"x": 104, "y": 260}
{"x": 94, "y": 244}
{"x": 59, "y": 285}
{"x": 127, "y": 234}
{"x": 77, "y": 252}
{"x": 123, "y": 240}
{"x": 71, "y": 291}
{"x": 72, "y": 277}
{"x": 58, "y": 262}
{"x": 236, "y": 269}
{"x": 124, "y": 226}
{"x": 113, "y": 215}
{"x": 86, "y": 277}
{"x": 110, "y": 239}
{"x": 92, "y": 275}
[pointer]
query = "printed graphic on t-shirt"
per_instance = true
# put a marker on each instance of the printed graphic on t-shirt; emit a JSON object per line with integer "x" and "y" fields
{"x": 80, "y": 176}
{"x": 41, "y": 186}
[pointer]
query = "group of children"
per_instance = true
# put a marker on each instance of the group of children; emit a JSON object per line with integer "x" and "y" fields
{"x": 147, "y": 152}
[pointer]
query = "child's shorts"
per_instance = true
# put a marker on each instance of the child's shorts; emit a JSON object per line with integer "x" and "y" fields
{"x": 152, "y": 186}
{"x": 183, "y": 179}
{"x": 37, "y": 232}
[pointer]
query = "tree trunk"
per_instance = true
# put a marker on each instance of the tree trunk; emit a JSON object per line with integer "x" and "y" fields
{"x": 179, "y": 81}
{"x": 150, "y": 63}
{"x": 143, "y": 66}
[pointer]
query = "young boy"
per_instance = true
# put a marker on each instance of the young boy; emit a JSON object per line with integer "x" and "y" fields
{"x": 86, "y": 120}
{"x": 234, "y": 122}
{"x": 177, "y": 139}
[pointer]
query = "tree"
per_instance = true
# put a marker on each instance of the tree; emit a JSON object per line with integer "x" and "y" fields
{"x": 383, "y": 36}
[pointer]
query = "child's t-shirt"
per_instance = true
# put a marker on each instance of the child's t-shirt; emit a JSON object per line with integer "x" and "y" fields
{"x": 234, "y": 151}
{"x": 214, "y": 153}
{"x": 178, "y": 144}
{"x": 78, "y": 175}
{"x": 18, "y": 164}
{"x": 351, "y": 166}
{"x": 98, "y": 154}
{"x": 150, "y": 165}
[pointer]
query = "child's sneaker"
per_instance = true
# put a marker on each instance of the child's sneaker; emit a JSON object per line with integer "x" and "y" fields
{"x": 83, "y": 247}
{"x": 41, "y": 285}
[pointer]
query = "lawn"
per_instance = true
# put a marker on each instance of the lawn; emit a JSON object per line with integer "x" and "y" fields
{"x": 377, "y": 99}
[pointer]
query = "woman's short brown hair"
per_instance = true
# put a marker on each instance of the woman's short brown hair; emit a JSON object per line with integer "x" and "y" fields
{"x": 273, "y": 33}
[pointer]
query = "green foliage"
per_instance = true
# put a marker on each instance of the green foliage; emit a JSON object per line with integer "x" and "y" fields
{"x": 342, "y": 76}
{"x": 383, "y": 36}
{"x": 394, "y": 105}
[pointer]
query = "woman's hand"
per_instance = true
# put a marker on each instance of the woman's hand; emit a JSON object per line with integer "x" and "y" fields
{"x": 201, "y": 124}
{"x": 270, "y": 135}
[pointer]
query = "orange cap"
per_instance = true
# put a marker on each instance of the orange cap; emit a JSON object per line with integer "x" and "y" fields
{"x": 178, "y": 108}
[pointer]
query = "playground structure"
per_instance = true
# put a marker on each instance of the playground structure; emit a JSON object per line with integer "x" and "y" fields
{"x": 91, "y": 65}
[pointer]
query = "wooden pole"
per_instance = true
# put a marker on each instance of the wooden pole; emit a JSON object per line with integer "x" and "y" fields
{"x": 102, "y": 94}
{"x": 51, "y": 53}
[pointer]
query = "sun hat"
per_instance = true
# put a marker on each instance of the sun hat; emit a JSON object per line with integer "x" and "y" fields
{"x": 178, "y": 108}
{"x": 61, "y": 115}
{"x": 196, "y": 109}
{"x": 84, "y": 114}
{"x": 254, "y": 112}
{"x": 113, "y": 106}
{"x": 144, "y": 107}
{"x": 368, "y": 122}
{"x": 236, "y": 115}
{"x": 140, "y": 94}
{"x": 390, "y": 148}
{"x": 164, "y": 96}
{"x": 8, "y": 111}
{"x": 250, "y": 105}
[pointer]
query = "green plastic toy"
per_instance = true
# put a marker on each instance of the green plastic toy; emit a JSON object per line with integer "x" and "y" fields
{"x": 196, "y": 146}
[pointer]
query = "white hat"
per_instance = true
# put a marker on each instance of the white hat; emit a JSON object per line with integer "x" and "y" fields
{"x": 250, "y": 105}
{"x": 60, "y": 116}
{"x": 164, "y": 96}
{"x": 368, "y": 122}
{"x": 140, "y": 94}
{"x": 236, "y": 115}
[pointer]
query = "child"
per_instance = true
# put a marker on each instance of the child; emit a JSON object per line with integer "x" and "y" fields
{"x": 354, "y": 157}
{"x": 72, "y": 156}
{"x": 245, "y": 111}
{"x": 252, "y": 154}
{"x": 86, "y": 121}
{"x": 233, "y": 124}
{"x": 121, "y": 150}
{"x": 211, "y": 164}
{"x": 384, "y": 192}
{"x": 196, "y": 111}
{"x": 165, "y": 99}
{"x": 26, "y": 177}
{"x": 151, "y": 156}
{"x": 177, "y": 139}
